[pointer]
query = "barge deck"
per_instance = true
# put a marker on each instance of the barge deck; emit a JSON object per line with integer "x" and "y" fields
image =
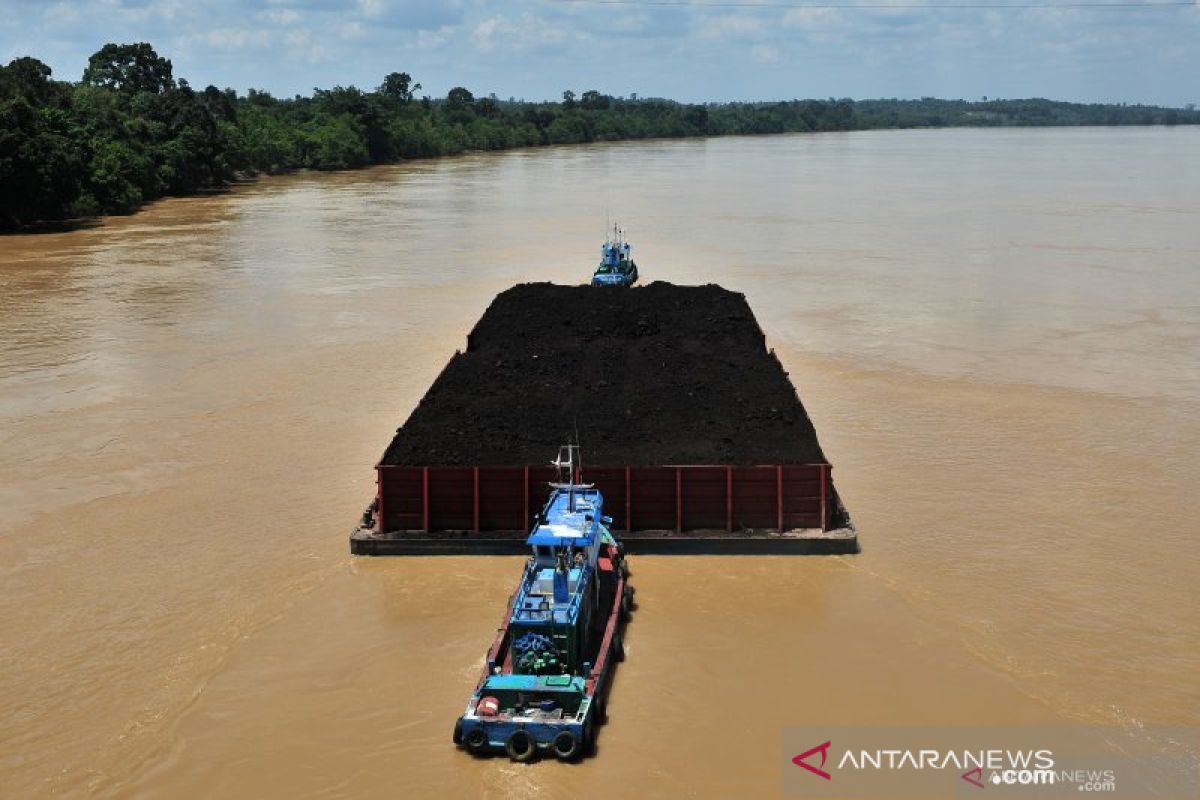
{"x": 808, "y": 542}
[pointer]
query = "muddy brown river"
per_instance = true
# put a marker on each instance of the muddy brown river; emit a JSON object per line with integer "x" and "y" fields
{"x": 996, "y": 333}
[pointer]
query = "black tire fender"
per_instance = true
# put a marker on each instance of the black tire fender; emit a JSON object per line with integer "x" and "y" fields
{"x": 589, "y": 738}
{"x": 477, "y": 740}
{"x": 514, "y": 747}
{"x": 458, "y": 731}
{"x": 566, "y": 746}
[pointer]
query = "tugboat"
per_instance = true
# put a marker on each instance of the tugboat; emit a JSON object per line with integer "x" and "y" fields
{"x": 547, "y": 675}
{"x": 616, "y": 266}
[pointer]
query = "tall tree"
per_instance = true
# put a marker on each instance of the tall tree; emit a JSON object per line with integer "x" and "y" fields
{"x": 129, "y": 68}
{"x": 26, "y": 77}
{"x": 399, "y": 85}
{"x": 593, "y": 99}
{"x": 459, "y": 98}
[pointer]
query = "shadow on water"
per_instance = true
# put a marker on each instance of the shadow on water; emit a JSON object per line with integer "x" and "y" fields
{"x": 53, "y": 226}
{"x": 14, "y": 228}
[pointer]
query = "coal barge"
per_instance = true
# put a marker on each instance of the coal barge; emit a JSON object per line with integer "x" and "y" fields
{"x": 695, "y": 435}
{"x": 546, "y": 678}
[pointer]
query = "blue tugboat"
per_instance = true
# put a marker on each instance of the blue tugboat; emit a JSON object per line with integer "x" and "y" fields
{"x": 547, "y": 676}
{"x": 616, "y": 265}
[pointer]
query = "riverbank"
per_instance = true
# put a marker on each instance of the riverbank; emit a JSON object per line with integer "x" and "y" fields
{"x": 107, "y": 145}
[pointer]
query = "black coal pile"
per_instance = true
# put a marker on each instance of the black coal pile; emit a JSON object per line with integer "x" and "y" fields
{"x": 655, "y": 375}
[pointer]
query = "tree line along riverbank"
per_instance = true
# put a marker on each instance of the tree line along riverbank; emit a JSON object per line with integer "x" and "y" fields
{"x": 129, "y": 131}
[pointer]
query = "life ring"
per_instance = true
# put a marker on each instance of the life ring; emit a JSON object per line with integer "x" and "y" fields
{"x": 566, "y": 746}
{"x": 477, "y": 740}
{"x": 520, "y": 746}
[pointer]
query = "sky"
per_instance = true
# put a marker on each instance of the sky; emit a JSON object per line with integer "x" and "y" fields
{"x": 689, "y": 50}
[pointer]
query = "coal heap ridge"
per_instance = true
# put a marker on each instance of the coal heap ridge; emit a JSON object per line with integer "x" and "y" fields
{"x": 655, "y": 375}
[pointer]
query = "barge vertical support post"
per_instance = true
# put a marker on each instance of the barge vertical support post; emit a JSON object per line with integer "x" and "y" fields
{"x": 678, "y": 500}
{"x": 379, "y": 498}
{"x": 779, "y": 496}
{"x": 729, "y": 499}
{"x": 475, "y": 506}
{"x": 425, "y": 498}
{"x": 824, "y": 483}
{"x": 628, "y": 502}
{"x": 525, "y": 521}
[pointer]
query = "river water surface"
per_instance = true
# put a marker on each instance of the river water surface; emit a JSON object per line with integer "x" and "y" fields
{"x": 996, "y": 333}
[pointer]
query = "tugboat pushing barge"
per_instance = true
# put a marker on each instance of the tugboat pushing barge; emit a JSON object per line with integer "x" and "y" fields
{"x": 616, "y": 264}
{"x": 548, "y": 673}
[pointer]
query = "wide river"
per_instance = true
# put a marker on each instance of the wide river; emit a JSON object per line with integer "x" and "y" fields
{"x": 996, "y": 333}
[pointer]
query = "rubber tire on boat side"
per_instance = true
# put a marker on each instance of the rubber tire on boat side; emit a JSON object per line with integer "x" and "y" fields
{"x": 600, "y": 704}
{"x": 458, "y": 731}
{"x": 589, "y": 738}
{"x": 618, "y": 648}
{"x": 477, "y": 740}
{"x": 514, "y": 752}
{"x": 572, "y": 748}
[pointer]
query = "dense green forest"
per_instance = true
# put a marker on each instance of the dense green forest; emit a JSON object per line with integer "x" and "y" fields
{"x": 129, "y": 131}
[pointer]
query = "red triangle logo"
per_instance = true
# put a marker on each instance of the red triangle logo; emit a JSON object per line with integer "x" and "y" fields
{"x": 974, "y": 777}
{"x": 823, "y": 749}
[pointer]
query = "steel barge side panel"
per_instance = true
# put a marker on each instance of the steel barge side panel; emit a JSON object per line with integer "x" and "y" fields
{"x": 480, "y": 500}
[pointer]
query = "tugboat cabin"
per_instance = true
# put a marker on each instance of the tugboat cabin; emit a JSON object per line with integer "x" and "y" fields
{"x": 558, "y": 593}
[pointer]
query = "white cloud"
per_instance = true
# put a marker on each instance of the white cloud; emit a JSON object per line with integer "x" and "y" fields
{"x": 487, "y": 31}
{"x": 431, "y": 40}
{"x": 812, "y": 19}
{"x": 725, "y": 26}
{"x": 235, "y": 38}
{"x": 351, "y": 30}
{"x": 302, "y": 46}
{"x": 280, "y": 16}
{"x": 528, "y": 32}
{"x": 766, "y": 54}
{"x": 372, "y": 8}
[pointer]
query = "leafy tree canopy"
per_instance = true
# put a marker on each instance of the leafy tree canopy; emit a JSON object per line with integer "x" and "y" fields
{"x": 129, "y": 68}
{"x": 458, "y": 97}
{"x": 399, "y": 86}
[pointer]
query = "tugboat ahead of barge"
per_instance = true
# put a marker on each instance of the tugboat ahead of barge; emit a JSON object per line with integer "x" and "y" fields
{"x": 546, "y": 680}
{"x": 616, "y": 264}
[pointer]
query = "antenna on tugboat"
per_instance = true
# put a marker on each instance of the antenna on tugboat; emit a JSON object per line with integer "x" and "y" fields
{"x": 578, "y": 453}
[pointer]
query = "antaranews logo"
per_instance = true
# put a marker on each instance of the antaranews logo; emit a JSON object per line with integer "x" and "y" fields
{"x": 986, "y": 761}
{"x": 1006, "y": 765}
